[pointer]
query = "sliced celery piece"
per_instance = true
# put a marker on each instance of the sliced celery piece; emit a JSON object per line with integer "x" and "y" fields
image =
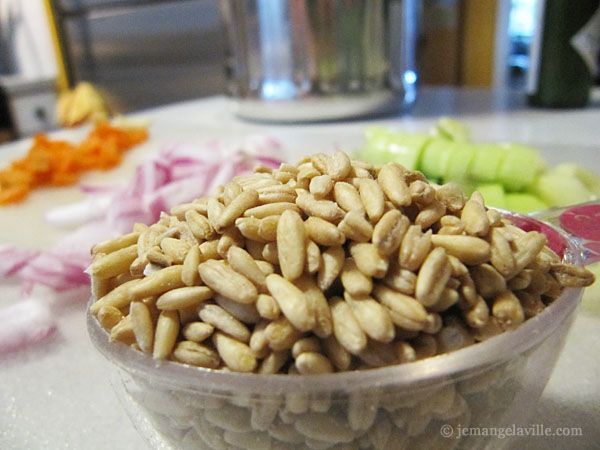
{"x": 484, "y": 167}
{"x": 520, "y": 167}
{"x": 493, "y": 194}
{"x": 573, "y": 170}
{"x": 436, "y": 157}
{"x": 452, "y": 129}
{"x": 523, "y": 202}
{"x": 557, "y": 190}
{"x": 460, "y": 163}
{"x": 383, "y": 146}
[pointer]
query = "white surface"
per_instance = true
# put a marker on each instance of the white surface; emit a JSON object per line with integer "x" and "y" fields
{"x": 57, "y": 395}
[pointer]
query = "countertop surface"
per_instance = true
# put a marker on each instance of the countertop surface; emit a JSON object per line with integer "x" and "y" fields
{"x": 57, "y": 394}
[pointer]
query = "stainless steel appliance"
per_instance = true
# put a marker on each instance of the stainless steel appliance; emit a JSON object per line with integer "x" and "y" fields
{"x": 307, "y": 60}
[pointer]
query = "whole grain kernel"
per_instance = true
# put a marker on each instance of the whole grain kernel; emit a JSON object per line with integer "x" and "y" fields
{"x": 184, "y": 297}
{"x": 469, "y": 250}
{"x": 231, "y": 191}
{"x": 208, "y": 250}
{"x": 354, "y": 281}
{"x": 320, "y": 186}
{"x": 404, "y": 352}
{"x": 270, "y": 209}
{"x": 332, "y": 261}
{"x": 199, "y": 225}
{"x": 113, "y": 263}
{"x": 389, "y": 231}
{"x": 242, "y": 202}
{"x": 507, "y": 310}
{"x": 165, "y": 337}
{"x": 230, "y": 237}
{"x": 402, "y": 280}
{"x": 309, "y": 344}
{"x": 143, "y": 326}
{"x": 325, "y": 209}
{"x": 258, "y": 340}
{"x": 346, "y": 196}
{"x": 270, "y": 253}
{"x": 346, "y": 328}
{"x": 116, "y": 243}
{"x": 372, "y": 198}
{"x": 319, "y": 162}
{"x": 391, "y": 180}
{"x": 337, "y": 354}
{"x": 452, "y": 196}
{"x": 214, "y": 209}
{"x": 373, "y": 318}
{"x": 356, "y": 227}
{"x": 474, "y": 216}
{"x": 266, "y": 267}
{"x": 323, "y": 233}
{"x": 280, "y": 334}
{"x": 405, "y": 311}
{"x": 313, "y": 256}
{"x": 267, "y": 307}
{"x": 189, "y": 271}
{"x": 221, "y": 278}
{"x": 338, "y": 165}
{"x": 158, "y": 283}
{"x": 197, "y": 331}
{"x": 292, "y": 302}
{"x": 246, "y": 313}
{"x": 317, "y": 303}
{"x": 274, "y": 361}
{"x": 195, "y": 354}
{"x": 267, "y": 228}
{"x": 109, "y": 316}
{"x": 478, "y": 315}
{"x": 186, "y": 236}
{"x": 488, "y": 281}
{"x": 242, "y": 262}
{"x": 432, "y": 277}
{"x": 222, "y": 320}
{"x": 249, "y": 228}
{"x": 158, "y": 258}
{"x": 414, "y": 248}
{"x": 235, "y": 354}
{"x": 313, "y": 363}
{"x": 369, "y": 260}
{"x": 123, "y": 331}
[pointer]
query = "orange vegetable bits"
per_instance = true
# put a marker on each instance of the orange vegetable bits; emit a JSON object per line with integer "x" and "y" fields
{"x": 60, "y": 163}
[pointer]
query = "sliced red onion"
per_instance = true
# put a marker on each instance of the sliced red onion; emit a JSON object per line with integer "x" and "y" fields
{"x": 180, "y": 174}
{"x": 13, "y": 259}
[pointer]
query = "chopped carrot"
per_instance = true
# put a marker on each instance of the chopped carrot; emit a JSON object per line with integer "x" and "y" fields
{"x": 60, "y": 163}
{"x": 13, "y": 194}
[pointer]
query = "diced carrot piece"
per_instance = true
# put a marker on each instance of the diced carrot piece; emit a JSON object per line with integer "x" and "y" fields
{"x": 60, "y": 163}
{"x": 13, "y": 194}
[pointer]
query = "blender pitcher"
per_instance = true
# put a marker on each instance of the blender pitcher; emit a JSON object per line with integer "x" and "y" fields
{"x": 312, "y": 60}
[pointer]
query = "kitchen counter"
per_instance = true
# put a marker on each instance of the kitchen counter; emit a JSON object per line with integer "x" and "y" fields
{"x": 57, "y": 394}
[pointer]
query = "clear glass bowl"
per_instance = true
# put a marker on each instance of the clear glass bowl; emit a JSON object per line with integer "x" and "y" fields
{"x": 427, "y": 404}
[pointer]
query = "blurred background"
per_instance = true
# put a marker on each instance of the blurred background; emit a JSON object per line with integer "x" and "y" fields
{"x": 144, "y": 53}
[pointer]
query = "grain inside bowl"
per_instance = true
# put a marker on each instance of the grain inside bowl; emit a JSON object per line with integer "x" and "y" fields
{"x": 330, "y": 265}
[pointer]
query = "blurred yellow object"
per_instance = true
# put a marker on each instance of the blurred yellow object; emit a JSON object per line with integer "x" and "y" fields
{"x": 80, "y": 105}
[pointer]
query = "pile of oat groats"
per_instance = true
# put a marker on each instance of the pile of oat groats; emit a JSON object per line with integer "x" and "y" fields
{"x": 330, "y": 265}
